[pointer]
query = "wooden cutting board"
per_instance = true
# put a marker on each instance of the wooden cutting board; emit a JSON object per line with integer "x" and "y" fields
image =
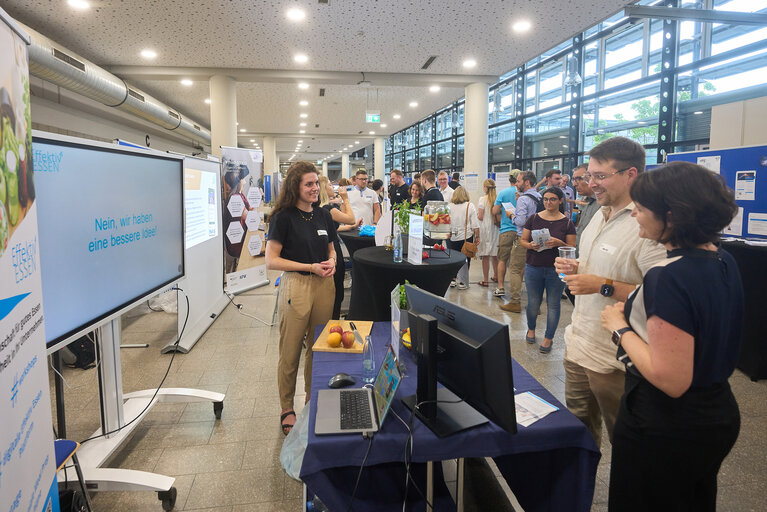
{"x": 363, "y": 327}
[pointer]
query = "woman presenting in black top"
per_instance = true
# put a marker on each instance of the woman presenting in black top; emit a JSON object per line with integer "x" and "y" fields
{"x": 679, "y": 336}
{"x": 301, "y": 237}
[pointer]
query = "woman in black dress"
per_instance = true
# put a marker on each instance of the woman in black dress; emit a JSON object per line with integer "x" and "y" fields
{"x": 679, "y": 336}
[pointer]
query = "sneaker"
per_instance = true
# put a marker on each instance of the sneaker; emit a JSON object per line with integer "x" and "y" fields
{"x": 499, "y": 292}
{"x": 512, "y": 307}
{"x": 462, "y": 286}
{"x": 452, "y": 283}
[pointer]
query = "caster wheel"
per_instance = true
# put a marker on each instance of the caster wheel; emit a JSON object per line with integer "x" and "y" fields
{"x": 217, "y": 408}
{"x": 168, "y": 498}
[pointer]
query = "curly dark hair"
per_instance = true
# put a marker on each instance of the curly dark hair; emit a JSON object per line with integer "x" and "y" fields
{"x": 693, "y": 203}
{"x": 291, "y": 187}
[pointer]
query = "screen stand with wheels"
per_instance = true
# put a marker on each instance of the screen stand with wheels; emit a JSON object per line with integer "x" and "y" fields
{"x": 443, "y": 412}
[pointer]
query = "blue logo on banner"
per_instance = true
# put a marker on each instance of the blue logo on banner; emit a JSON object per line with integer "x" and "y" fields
{"x": 7, "y": 305}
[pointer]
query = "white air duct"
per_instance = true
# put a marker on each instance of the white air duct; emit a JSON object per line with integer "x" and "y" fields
{"x": 56, "y": 64}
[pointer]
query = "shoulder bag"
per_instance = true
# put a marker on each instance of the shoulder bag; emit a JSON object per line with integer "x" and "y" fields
{"x": 469, "y": 248}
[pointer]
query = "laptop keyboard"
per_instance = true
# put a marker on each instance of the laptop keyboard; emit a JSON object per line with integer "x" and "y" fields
{"x": 355, "y": 410}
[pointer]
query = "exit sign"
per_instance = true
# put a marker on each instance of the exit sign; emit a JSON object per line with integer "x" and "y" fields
{"x": 372, "y": 117}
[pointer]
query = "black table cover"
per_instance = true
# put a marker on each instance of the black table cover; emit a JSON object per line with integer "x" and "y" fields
{"x": 753, "y": 350}
{"x": 374, "y": 275}
{"x": 354, "y": 241}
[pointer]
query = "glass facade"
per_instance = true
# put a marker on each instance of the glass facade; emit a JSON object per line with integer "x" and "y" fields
{"x": 620, "y": 92}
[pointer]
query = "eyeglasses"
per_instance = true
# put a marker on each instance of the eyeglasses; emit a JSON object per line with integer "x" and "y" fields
{"x": 550, "y": 199}
{"x": 601, "y": 177}
{"x": 580, "y": 178}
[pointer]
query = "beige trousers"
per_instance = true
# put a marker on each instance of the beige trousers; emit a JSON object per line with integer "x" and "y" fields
{"x": 592, "y": 396}
{"x": 304, "y": 301}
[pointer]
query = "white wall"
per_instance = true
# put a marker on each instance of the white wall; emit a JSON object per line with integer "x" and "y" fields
{"x": 61, "y": 111}
{"x": 742, "y": 123}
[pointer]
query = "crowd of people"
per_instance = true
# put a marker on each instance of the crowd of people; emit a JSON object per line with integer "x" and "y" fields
{"x": 655, "y": 329}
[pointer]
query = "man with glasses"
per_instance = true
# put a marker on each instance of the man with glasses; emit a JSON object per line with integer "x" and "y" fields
{"x": 588, "y": 204}
{"x": 610, "y": 265}
{"x": 445, "y": 190}
{"x": 364, "y": 201}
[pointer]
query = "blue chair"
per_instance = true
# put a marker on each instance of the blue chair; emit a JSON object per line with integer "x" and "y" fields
{"x": 65, "y": 450}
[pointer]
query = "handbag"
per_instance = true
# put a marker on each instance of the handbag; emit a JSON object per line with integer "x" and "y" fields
{"x": 468, "y": 248}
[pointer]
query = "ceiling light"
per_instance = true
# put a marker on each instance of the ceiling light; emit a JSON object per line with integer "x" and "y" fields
{"x": 396, "y": 116}
{"x": 383, "y": 125}
{"x": 698, "y": 112}
{"x": 238, "y": 124}
{"x": 303, "y": 115}
{"x": 303, "y": 85}
{"x": 356, "y": 142}
{"x": 149, "y": 54}
{"x": 372, "y": 133}
{"x": 521, "y": 26}
{"x": 499, "y": 149}
{"x": 78, "y": 4}
{"x": 186, "y": 82}
{"x": 301, "y": 131}
{"x": 300, "y": 142}
{"x": 469, "y": 63}
{"x": 255, "y": 145}
{"x": 252, "y": 140}
{"x": 434, "y": 88}
{"x": 295, "y": 14}
{"x": 207, "y": 101}
{"x": 301, "y": 58}
{"x": 413, "y": 104}
{"x": 302, "y": 124}
{"x": 242, "y": 130}
{"x": 303, "y": 103}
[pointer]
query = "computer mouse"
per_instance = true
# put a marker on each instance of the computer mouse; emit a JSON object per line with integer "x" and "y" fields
{"x": 341, "y": 380}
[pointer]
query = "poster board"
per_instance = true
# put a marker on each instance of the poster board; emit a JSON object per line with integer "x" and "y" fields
{"x": 744, "y": 170}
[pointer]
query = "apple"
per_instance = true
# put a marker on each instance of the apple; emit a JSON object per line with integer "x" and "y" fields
{"x": 347, "y": 339}
{"x": 336, "y": 328}
{"x": 334, "y": 339}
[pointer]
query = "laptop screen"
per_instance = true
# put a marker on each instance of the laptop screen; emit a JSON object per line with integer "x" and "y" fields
{"x": 386, "y": 384}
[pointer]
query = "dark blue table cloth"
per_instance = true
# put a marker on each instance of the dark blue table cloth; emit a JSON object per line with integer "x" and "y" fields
{"x": 550, "y": 465}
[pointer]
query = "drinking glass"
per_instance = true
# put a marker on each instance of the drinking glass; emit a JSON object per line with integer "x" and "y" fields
{"x": 567, "y": 253}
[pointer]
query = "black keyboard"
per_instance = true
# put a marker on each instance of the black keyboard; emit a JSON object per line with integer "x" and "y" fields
{"x": 355, "y": 411}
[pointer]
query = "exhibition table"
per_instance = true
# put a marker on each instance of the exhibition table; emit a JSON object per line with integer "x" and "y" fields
{"x": 374, "y": 275}
{"x": 353, "y": 241}
{"x": 753, "y": 350}
{"x": 550, "y": 465}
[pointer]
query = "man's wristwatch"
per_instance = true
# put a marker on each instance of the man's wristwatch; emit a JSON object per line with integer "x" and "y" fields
{"x": 617, "y": 335}
{"x": 607, "y": 289}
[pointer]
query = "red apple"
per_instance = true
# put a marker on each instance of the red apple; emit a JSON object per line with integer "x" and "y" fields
{"x": 347, "y": 338}
{"x": 336, "y": 328}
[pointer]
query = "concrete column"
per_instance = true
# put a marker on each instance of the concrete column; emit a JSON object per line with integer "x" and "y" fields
{"x": 378, "y": 157}
{"x": 223, "y": 113}
{"x": 324, "y": 168}
{"x": 475, "y": 138}
{"x": 345, "y": 165}
{"x": 270, "y": 155}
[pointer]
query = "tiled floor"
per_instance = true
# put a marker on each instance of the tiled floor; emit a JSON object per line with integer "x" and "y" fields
{"x": 232, "y": 465}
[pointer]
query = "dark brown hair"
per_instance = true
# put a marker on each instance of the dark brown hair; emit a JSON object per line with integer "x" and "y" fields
{"x": 418, "y": 185}
{"x": 693, "y": 203}
{"x": 291, "y": 188}
{"x": 429, "y": 175}
{"x": 624, "y": 152}
{"x": 528, "y": 176}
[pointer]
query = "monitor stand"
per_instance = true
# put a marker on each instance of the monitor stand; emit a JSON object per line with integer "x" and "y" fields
{"x": 442, "y": 418}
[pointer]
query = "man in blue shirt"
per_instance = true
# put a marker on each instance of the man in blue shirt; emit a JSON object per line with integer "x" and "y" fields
{"x": 505, "y": 204}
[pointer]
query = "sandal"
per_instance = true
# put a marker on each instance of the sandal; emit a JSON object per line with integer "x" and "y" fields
{"x": 484, "y": 283}
{"x": 494, "y": 279}
{"x": 286, "y": 427}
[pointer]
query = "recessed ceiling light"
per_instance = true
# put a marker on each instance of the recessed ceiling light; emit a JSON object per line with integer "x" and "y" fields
{"x": 469, "y": 63}
{"x": 521, "y": 26}
{"x": 413, "y": 104}
{"x": 383, "y": 125}
{"x": 302, "y": 124}
{"x": 434, "y": 88}
{"x": 301, "y": 58}
{"x": 207, "y": 101}
{"x": 149, "y": 54}
{"x": 186, "y": 82}
{"x": 252, "y": 140}
{"x": 301, "y": 131}
{"x": 303, "y": 115}
{"x": 78, "y": 4}
{"x": 255, "y": 145}
{"x": 238, "y": 124}
{"x": 300, "y": 142}
{"x": 303, "y": 85}
{"x": 303, "y": 103}
{"x": 356, "y": 142}
{"x": 396, "y": 116}
{"x": 372, "y": 133}
{"x": 295, "y": 14}
{"x": 242, "y": 130}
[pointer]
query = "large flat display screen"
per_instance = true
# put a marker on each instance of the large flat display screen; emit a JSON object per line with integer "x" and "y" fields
{"x": 111, "y": 229}
{"x": 201, "y": 200}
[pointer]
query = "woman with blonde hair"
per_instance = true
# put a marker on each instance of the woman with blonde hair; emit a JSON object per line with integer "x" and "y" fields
{"x": 464, "y": 227}
{"x": 341, "y": 211}
{"x": 488, "y": 231}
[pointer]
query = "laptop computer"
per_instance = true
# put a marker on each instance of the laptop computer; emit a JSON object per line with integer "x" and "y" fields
{"x": 349, "y": 411}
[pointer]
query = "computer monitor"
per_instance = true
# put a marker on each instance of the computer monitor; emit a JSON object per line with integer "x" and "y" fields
{"x": 469, "y": 354}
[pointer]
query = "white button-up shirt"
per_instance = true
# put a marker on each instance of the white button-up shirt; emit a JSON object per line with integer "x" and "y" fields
{"x": 362, "y": 202}
{"x": 611, "y": 249}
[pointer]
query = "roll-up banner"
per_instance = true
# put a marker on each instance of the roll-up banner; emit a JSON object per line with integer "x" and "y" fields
{"x": 243, "y": 219}
{"x": 27, "y": 459}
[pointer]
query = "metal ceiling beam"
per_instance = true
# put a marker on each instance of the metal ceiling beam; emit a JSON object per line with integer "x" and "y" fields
{"x": 701, "y": 15}
{"x": 293, "y": 76}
